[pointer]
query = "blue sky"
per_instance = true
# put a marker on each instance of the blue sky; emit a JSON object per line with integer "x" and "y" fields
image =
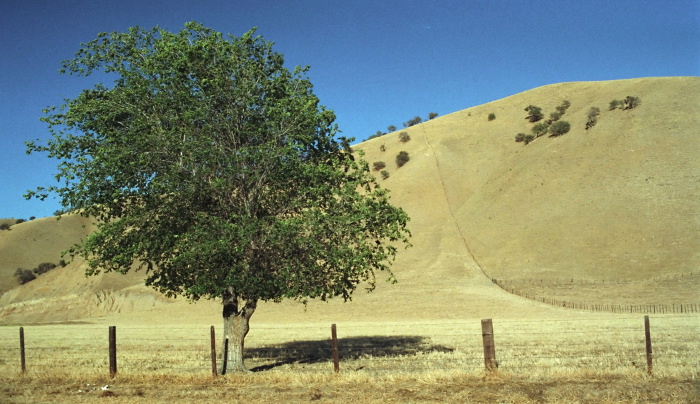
{"x": 375, "y": 63}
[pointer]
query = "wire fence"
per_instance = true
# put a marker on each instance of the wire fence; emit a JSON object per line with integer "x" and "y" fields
{"x": 582, "y": 281}
{"x": 610, "y": 345}
{"x": 523, "y": 288}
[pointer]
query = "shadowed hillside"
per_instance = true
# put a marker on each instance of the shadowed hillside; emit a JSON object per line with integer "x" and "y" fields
{"x": 617, "y": 201}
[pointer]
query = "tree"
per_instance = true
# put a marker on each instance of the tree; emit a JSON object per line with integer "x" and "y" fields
{"x": 559, "y": 128}
{"x": 534, "y": 113}
{"x": 415, "y": 121}
{"x": 631, "y": 102}
{"x": 391, "y": 128}
{"x": 592, "y": 116}
{"x": 378, "y": 165}
{"x": 540, "y": 129}
{"x": 402, "y": 158}
{"x": 432, "y": 115}
{"x": 24, "y": 275}
{"x": 376, "y": 135}
{"x": 214, "y": 168}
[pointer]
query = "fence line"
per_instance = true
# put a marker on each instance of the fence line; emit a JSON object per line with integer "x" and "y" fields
{"x": 613, "y": 308}
{"x": 503, "y": 345}
{"x": 582, "y": 281}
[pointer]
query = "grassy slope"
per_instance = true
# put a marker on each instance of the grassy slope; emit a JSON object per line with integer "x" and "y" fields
{"x": 28, "y": 244}
{"x": 617, "y": 201}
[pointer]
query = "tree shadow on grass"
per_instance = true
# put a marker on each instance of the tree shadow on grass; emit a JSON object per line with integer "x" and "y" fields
{"x": 307, "y": 352}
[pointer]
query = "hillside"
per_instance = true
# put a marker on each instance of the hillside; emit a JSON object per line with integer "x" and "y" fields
{"x": 618, "y": 201}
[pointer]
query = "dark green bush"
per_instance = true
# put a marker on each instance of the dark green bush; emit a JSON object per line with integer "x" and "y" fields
{"x": 391, "y": 128}
{"x": 592, "y": 116}
{"x": 534, "y": 113}
{"x": 376, "y": 135}
{"x": 5, "y": 226}
{"x": 492, "y": 116}
{"x": 44, "y": 267}
{"x": 18, "y": 221}
{"x": 432, "y": 115}
{"x": 62, "y": 263}
{"x": 415, "y": 121}
{"x": 24, "y": 275}
{"x": 540, "y": 129}
{"x": 528, "y": 138}
{"x": 404, "y": 137}
{"x": 631, "y": 102}
{"x": 563, "y": 107}
{"x": 382, "y": 148}
{"x": 385, "y": 174}
{"x": 520, "y": 137}
{"x": 593, "y": 113}
{"x": 378, "y": 165}
{"x": 559, "y": 128}
{"x": 554, "y": 116}
{"x": 402, "y": 158}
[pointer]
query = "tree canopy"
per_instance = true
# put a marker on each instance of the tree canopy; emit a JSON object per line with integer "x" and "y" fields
{"x": 215, "y": 168}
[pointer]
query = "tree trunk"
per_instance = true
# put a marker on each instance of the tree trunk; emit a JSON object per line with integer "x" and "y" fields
{"x": 237, "y": 313}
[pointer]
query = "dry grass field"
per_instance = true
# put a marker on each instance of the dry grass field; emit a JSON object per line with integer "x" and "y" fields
{"x": 594, "y": 359}
{"x": 615, "y": 207}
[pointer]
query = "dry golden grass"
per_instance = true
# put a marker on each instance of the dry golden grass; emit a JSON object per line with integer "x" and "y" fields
{"x": 587, "y": 360}
{"x": 619, "y": 201}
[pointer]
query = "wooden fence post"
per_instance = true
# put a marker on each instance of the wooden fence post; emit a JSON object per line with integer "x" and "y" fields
{"x": 489, "y": 345}
{"x": 21, "y": 349}
{"x": 213, "y": 350}
{"x": 334, "y": 345}
{"x": 647, "y": 336}
{"x": 112, "y": 351}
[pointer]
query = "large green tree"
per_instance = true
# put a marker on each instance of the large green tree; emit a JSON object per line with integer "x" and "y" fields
{"x": 215, "y": 168}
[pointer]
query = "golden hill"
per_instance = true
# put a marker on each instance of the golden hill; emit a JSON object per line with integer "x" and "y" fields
{"x": 619, "y": 201}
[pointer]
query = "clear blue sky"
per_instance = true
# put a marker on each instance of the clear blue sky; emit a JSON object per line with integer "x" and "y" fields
{"x": 374, "y": 62}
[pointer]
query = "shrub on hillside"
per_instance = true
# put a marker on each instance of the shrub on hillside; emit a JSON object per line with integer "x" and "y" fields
{"x": 402, "y": 158}
{"x": 554, "y": 116}
{"x": 378, "y": 165}
{"x": 492, "y": 116}
{"x": 432, "y": 115}
{"x": 614, "y": 104}
{"x": 62, "y": 263}
{"x": 534, "y": 113}
{"x": 44, "y": 267}
{"x": 563, "y": 107}
{"x": 559, "y": 128}
{"x": 520, "y": 137}
{"x": 376, "y": 135}
{"x": 540, "y": 129}
{"x": 18, "y": 221}
{"x": 404, "y": 137}
{"x": 24, "y": 275}
{"x": 592, "y": 117}
{"x": 415, "y": 121}
{"x": 382, "y": 148}
{"x": 385, "y": 174}
{"x": 391, "y": 128}
{"x": 631, "y": 102}
{"x": 528, "y": 138}
{"x": 5, "y": 226}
